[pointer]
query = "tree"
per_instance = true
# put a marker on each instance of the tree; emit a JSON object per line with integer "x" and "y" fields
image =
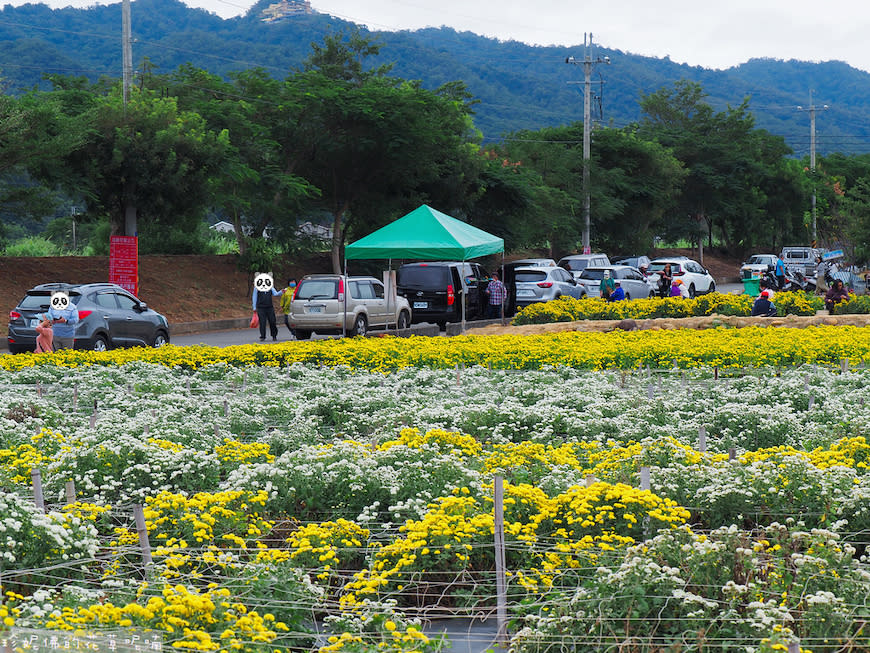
{"x": 856, "y": 213}
{"x": 149, "y": 157}
{"x": 731, "y": 167}
{"x": 632, "y": 183}
{"x": 256, "y": 188}
{"x": 372, "y": 144}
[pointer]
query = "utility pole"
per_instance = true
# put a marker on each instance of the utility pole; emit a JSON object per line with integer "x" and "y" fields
{"x": 127, "y": 46}
{"x": 130, "y": 226}
{"x": 588, "y": 64}
{"x": 812, "y": 111}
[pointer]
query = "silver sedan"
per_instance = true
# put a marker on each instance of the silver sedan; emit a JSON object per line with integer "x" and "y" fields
{"x": 634, "y": 284}
{"x": 539, "y": 284}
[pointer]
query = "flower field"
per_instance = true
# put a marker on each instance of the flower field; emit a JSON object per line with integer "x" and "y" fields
{"x": 335, "y": 495}
{"x": 568, "y": 309}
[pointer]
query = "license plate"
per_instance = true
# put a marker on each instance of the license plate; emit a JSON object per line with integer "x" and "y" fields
{"x": 315, "y": 309}
{"x": 421, "y": 304}
{"x": 34, "y": 322}
{"x": 525, "y": 293}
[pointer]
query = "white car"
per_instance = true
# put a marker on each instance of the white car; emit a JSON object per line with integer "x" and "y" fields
{"x": 696, "y": 277}
{"x": 758, "y": 265}
{"x": 323, "y": 304}
{"x": 632, "y": 281}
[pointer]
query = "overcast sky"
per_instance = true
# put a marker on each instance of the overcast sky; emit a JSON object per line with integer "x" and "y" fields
{"x": 708, "y": 33}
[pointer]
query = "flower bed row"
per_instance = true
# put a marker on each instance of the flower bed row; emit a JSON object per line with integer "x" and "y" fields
{"x": 568, "y": 309}
{"x": 684, "y": 348}
{"x": 364, "y": 496}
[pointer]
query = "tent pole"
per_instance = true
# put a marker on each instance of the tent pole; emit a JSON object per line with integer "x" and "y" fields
{"x": 346, "y": 290}
{"x": 389, "y": 291}
{"x": 502, "y": 280}
{"x": 464, "y": 294}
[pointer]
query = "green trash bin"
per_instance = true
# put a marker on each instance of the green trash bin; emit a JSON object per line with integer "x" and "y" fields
{"x": 751, "y": 287}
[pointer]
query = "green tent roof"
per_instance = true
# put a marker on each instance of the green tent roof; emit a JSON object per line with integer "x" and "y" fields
{"x": 426, "y": 234}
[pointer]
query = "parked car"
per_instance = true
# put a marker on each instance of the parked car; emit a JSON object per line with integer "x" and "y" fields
{"x": 541, "y": 284}
{"x": 332, "y": 304}
{"x": 634, "y": 284}
{"x": 800, "y": 258}
{"x": 507, "y": 270}
{"x": 633, "y": 261}
{"x": 436, "y": 290}
{"x": 109, "y": 317}
{"x": 696, "y": 277}
{"x": 576, "y": 263}
{"x": 758, "y": 265}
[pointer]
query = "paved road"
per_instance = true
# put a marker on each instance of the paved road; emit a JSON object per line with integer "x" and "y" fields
{"x": 248, "y": 336}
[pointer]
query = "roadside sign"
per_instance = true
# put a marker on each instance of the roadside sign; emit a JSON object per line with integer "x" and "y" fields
{"x": 833, "y": 255}
{"x": 124, "y": 262}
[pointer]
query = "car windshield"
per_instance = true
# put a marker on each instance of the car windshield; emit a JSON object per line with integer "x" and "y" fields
{"x": 658, "y": 267}
{"x": 530, "y": 276}
{"x": 573, "y": 264}
{"x": 758, "y": 260}
{"x": 593, "y": 274}
{"x": 39, "y": 300}
{"x": 318, "y": 289}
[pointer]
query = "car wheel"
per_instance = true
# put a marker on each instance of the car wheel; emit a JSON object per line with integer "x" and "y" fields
{"x": 360, "y": 326}
{"x": 302, "y": 334}
{"x": 100, "y": 344}
{"x": 712, "y": 287}
{"x": 404, "y": 320}
{"x": 692, "y": 291}
{"x": 652, "y": 294}
{"x": 160, "y": 339}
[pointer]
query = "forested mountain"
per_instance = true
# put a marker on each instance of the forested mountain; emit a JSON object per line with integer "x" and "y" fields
{"x": 518, "y": 86}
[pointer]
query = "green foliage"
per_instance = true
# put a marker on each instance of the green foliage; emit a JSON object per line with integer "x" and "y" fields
{"x": 32, "y": 246}
{"x": 260, "y": 255}
{"x": 857, "y": 304}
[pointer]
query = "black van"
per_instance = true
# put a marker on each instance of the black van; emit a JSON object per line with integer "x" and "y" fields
{"x": 435, "y": 290}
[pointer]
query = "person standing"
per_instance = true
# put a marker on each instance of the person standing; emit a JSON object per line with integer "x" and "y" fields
{"x": 822, "y": 270}
{"x": 779, "y": 273}
{"x": 63, "y": 321}
{"x": 497, "y": 294}
{"x": 44, "y": 334}
{"x": 606, "y": 286}
{"x": 286, "y": 300}
{"x": 666, "y": 278}
{"x": 261, "y": 300}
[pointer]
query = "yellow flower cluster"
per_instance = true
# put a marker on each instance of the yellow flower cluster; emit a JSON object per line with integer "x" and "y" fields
{"x": 457, "y": 530}
{"x": 848, "y": 452}
{"x": 328, "y": 545}
{"x": 447, "y": 441}
{"x": 199, "y": 621}
{"x": 243, "y": 453}
{"x": 618, "y": 349}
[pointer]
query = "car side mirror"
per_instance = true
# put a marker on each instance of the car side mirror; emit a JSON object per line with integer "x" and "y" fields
{"x": 142, "y": 306}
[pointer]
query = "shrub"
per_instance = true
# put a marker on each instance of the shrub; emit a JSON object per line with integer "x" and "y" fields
{"x": 32, "y": 246}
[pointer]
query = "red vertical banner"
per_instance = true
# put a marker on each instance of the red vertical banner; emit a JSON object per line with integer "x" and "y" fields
{"x": 124, "y": 262}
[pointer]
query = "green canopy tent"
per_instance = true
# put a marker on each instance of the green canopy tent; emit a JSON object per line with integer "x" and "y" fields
{"x": 425, "y": 234}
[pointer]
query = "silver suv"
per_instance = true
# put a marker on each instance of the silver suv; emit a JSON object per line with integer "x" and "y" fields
{"x": 335, "y": 304}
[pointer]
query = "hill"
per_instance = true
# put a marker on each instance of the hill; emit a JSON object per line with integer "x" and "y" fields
{"x": 518, "y": 86}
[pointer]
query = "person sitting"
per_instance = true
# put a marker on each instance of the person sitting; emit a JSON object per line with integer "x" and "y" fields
{"x": 764, "y": 284}
{"x": 678, "y": 289}
{"x": 617, "y": 294}
{"x": 836, "y": 293}
{"x": 762, "y": 306}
